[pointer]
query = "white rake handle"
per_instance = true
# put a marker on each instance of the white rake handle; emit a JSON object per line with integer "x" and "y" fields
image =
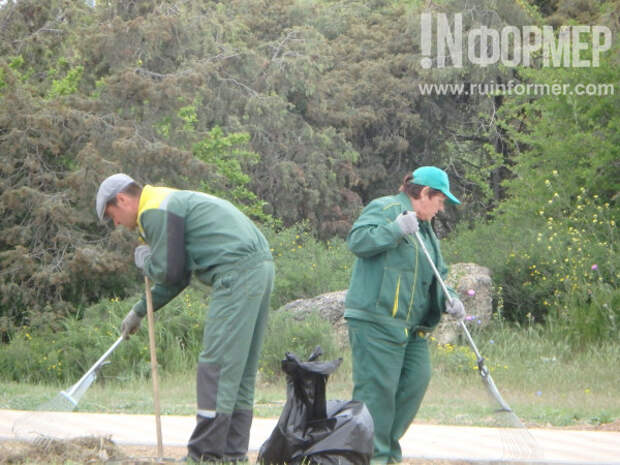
{"x": 95, "y": 367}
{"x": 484, "y": 371}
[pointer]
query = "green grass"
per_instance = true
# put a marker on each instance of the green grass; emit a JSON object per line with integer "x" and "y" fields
{"x": 544, "y": 382}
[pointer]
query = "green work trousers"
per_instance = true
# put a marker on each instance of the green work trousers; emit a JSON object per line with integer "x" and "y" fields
{"x": 391, "y": 371}
{"x": 233, "y": 334}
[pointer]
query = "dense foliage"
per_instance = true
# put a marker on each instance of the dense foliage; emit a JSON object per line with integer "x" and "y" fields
{"x": 305, "y": 267}
{"x": 554, "y": 247}
{"x": 296, "y": 110}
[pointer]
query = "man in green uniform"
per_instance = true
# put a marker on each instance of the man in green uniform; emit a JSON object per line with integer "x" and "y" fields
{"x": 189, "y": 232}
{"x": 393, "y": 300}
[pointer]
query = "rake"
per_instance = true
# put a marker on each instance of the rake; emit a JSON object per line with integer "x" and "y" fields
{"x": 482, "y": 368}
{"x": 72, "y": 396}
{"x": 67, "y": 401}
{"x": 516, "y": 446}
{"x": 31, "y": 424}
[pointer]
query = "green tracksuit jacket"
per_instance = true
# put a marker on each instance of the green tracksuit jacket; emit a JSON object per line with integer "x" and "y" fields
{"x": 191, "y": 232}
{"x": 392, "y": 282}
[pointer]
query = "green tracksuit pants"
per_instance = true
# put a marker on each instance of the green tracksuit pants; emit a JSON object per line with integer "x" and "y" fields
{"x": 391, "y": 371}
{"x": 233, "y": 334}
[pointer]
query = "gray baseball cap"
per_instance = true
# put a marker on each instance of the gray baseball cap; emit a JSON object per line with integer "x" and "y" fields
{"x": 108, "y": 189}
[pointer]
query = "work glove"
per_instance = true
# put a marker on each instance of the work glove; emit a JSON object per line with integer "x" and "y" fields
{"x": 140, "y": 254}
{"x": 407, "y": 222}
{"x": 130, "y": 324}
{"x": 455, "y": 308}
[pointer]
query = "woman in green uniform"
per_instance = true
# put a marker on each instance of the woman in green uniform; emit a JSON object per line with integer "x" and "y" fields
{"x": 393, "y": 300}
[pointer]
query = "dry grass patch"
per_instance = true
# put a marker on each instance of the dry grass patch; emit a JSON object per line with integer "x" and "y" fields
{"x": 56, "y": 451}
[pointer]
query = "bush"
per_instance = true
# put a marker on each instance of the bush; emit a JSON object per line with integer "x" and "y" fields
{"x": 555, "y": 264}
{"x": 305, "y": 266}
{"x": 64, "y": 356}
{"x": 286, "y": 334}
{"x": 452, "y": 358}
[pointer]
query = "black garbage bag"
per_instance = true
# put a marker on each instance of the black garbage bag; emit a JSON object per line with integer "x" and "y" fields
{"x": 313, "y": 430}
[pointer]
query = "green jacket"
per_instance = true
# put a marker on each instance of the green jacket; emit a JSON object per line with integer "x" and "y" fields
{"x": 192, "y": 232}
{"x": 392, "y": 281}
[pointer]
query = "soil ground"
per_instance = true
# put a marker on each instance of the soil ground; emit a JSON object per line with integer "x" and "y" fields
{"x": 100, "y": 450}
{"x": 23, "y": 454}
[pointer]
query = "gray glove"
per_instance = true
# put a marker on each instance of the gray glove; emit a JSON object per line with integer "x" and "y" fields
{"x": 130, "y": 324}
{"x": 455, "y": 308}
{"x": 140, "y": 254}
{"x": 407, "y": 222}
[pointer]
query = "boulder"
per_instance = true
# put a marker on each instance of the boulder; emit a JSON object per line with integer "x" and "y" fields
{"x": 474, "y": 287}
{"x": 330, "y": 307}
{"x": 472, "y": 283}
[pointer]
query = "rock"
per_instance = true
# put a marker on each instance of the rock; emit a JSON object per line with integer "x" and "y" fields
{"x": 474, "y": 287}
{"x": 472, "y": 283}
{"x": 330, "y": 306}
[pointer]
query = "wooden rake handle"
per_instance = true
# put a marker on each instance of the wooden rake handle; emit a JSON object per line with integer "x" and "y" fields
{"x": 151, "y": 323}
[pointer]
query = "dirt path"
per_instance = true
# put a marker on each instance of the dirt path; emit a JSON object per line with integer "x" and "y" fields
{"x": 101, "y": 450}
{"x": 179, "y": 452}
{"x": 98, "y": 451}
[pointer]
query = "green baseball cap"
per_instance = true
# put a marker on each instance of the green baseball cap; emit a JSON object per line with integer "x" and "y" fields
{"x": 436, "y": 178}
